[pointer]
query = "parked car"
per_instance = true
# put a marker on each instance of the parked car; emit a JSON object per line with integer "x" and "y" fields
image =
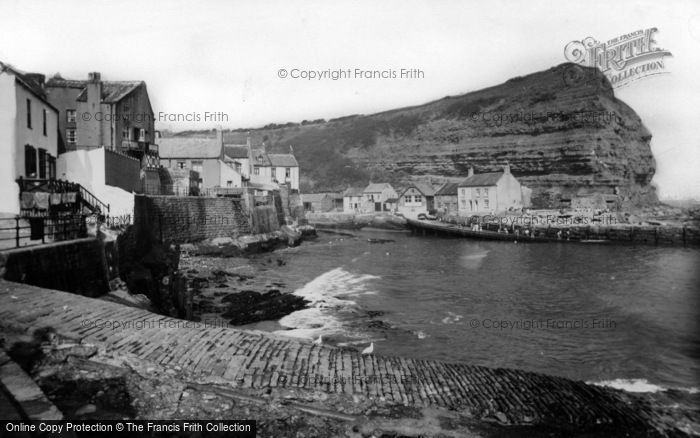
{"x": 426, "y": 217}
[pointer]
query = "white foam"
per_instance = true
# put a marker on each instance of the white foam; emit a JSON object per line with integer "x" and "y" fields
{"x": 327, "y": 294}
{"x": 639, "y": 385}
{"x": 452, "y": 318}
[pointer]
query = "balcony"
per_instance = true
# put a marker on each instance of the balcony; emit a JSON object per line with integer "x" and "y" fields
{"x": 131, "y": 145}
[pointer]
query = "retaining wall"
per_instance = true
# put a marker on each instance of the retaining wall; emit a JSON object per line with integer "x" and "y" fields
{"x": 77, "y": 266}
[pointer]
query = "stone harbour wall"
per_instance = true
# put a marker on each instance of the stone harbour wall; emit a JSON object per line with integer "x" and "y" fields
{"x": 184, "y": 219}
{"x": 77, "y": 266}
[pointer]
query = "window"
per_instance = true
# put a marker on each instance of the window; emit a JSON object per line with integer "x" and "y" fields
{"x": 43, "y": 112}
{"x": 229, "y": 183}
{"x": 29, "y": 162}
{"x": 142, "y": 135}
{"x": 125, "y": 134}
{"x": 238, "y": 167}
{"x": 287, "y": 172}
{"x": 486, "y": 203}
{"x": 274, "y": 173}
{"x": 417, "y": 199}
{"x": 42, "y": 163}
{"x": 486, "y": 193}
{"x": 197, "y": 166}
{"x": 70, "y": 136}
{"x": 256, "y": 171}
{"x": 181, "y": 165}
{"x": 29, "y": 114}
{"x": 70, "y": 116}
{"x": 478, "y": 192}
{"x": 464, "y": 192}
{"x": 464, "y": 204}
{"x": 52, "y": 167}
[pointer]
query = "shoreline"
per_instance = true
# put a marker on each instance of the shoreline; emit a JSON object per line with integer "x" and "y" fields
{"x": 187, "y": 371}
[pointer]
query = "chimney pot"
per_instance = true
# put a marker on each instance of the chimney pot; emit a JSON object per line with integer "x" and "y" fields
{"x": 94, "y": 76}
{"x": 470, "y": 172}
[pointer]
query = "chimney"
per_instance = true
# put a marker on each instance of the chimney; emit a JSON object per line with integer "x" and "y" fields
{"x": 36, "y": 80}
{"x": 94, "y": 101}
{"x": 220, "y": 140}
{"x": 470, "y": 172}
{"x": 506, "y": 168}
{"x": 291, "y": 149}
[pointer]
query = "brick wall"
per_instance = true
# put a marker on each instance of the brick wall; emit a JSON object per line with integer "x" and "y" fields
{"x": 76, "y": 266}
{"x": 179, "y": 219}
{"x": 122, "y": 171}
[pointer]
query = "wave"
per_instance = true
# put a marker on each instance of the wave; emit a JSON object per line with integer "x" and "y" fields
{"x": 328, "y": 294}
{"x": 452, "y": 318}
{"x": 640, "y": 385}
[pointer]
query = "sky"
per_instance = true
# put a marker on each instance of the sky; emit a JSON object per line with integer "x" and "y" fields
{"x": 225, "y": 57}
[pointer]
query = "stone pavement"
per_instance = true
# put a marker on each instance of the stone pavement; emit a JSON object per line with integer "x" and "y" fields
{"x": 245, "y": 359}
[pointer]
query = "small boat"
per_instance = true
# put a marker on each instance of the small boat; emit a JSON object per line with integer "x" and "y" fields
{"x": 371, "y": 240}
{"x": 594, "y": 241}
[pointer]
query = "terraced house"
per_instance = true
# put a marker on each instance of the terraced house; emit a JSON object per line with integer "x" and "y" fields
{"x": 489, "y": 192}
{"x": 28, "y": 134}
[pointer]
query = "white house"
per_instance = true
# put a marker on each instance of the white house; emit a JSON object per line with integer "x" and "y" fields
{"x": 261, "y": 168}
{"x": 376, "y": 194}
{"x": 28, "y": 134}
{"x": 489, "y": 192}
{"x": 417, "y": 198}
{"x": 353, "y": 200}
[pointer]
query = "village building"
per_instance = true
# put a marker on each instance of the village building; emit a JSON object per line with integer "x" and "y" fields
{"x": 353, "y": 200}
{"x": 203, "y": 155}
{"x": 263, "y": 170}
{"x": 28, "y": 134}
{"x": 284, "y": 169}
{"x": 376, "y": 194}
{"x": 489, "y": 192}
{"x": 115, "y": 115}
{"x": 107, "y": 139}
{"x": 417, "y": 198}
{"x": 319, "y": 202}
{"x": 446, "y": 199}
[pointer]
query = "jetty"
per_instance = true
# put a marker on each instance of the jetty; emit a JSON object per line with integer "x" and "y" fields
{"x": 586, "y": 234}
{"x": 444, "y": 228}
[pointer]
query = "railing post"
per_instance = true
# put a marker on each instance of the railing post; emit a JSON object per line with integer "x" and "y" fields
{"x": 17, "y": 230}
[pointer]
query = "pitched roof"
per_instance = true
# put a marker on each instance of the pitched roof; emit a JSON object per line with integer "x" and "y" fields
{"x": 189, "y": 147}
{"x": 482, "y": 179}
{"x": 315, "y": 197}
{"x": 449, "y": 189}
{"x": 28, "y": 81}
{"x": 112, "y": 91}
{"x": 236, "y": 151}
{"x": 425, "y": 188}
{"x": 58, "y": 82}
{"x": 377, "y": 187}
{"x": 283, "y": 160}
{"x": 353, "y": 191}
{"x": 260, "y": 158}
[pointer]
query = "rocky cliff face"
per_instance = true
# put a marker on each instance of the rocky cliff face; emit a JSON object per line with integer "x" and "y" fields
{"x": 562, "y": 131}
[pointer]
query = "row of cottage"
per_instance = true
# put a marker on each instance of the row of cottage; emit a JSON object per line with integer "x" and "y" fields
{"x": 97, "y": 138}
{"x": 482, "y": 193}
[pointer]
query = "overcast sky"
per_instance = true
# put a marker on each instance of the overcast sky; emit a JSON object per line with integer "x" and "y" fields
{"x": 225, "y": 56}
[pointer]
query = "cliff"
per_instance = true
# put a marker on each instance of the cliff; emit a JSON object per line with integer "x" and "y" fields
{"x": 562, "y": 130}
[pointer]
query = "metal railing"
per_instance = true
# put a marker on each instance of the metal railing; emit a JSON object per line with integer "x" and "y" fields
{"x": 19, "y": 231}
{"x": 60, "y": 186}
